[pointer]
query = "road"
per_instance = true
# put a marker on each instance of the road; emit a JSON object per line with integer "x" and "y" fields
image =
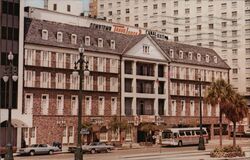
{"x": 146, "y": 153}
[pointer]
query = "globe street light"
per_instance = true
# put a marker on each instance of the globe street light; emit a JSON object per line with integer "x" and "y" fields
{"x": 201, "y": 139}
{"x": 82, "y": 72}
{"x": 10, "y": 75}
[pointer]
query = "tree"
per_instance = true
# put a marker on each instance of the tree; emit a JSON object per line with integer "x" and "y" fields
{"x": 235, "y": 111}
{"x": 147, "y": 128}
{"x": 120, "y": 125}
{"x": 218, "y": 94}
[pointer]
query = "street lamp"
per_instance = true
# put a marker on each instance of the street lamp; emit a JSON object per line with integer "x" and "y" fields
{"x": 82, "y": 71}
{"x": 201, "y": 139}
{"x": 10, "y": 75}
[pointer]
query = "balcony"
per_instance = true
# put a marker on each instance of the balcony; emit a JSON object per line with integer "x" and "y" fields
{"x": 128, "y": 85}
{"x": 145, "y": 87}
{"x": 145, "y": 107}
{"x": 128, "y": 67}
{"x": 144, "y": 69}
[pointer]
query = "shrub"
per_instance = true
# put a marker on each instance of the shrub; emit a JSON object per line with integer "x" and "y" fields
{"x": 227, "y": 151}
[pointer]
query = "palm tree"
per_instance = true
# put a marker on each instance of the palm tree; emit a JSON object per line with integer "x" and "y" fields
{"x": 218, "y": 93}
{"x": 236, "y": 111}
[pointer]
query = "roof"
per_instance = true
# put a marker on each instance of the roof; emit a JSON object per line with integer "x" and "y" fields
{"x": 123, "y": 42}
{"x": 33, "y": 29}
{"x": 166, "y": 46}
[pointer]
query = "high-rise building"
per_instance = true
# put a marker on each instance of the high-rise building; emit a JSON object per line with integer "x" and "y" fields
{"x": 65, "y": 6}
{"x": 221, "y": 25}
{"x": 11, "y": 40}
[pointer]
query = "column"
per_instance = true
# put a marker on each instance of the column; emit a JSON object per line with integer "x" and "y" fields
{"x": 166, "y": 107}
{"x": 122, "y": 89}
{"x": 156, "y": 85}
{"x": 134, "y": 89}
{"x": 19, "y": 137}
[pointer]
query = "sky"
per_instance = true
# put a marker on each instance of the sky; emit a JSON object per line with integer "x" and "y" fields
{"x": 40, "y": 4}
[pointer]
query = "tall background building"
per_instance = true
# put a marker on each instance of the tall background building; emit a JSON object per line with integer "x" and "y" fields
{"x": 73, "y": 7}
{"x": 221, "y": 25}
{"x": 11, "y": 40}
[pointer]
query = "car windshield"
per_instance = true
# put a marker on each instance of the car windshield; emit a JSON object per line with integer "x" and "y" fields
{"x": 34, "y": 145}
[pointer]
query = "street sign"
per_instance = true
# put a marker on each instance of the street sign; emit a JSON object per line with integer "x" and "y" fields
{"x": 84, "y": 131}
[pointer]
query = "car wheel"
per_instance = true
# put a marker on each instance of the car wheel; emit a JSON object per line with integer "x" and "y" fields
{"x": 51, "y": 152}
{"x": 32, "y": 153}
{"x": 180, "y": 143}
{"x": 108, "y": 150}
{"x": 92, "y": 151}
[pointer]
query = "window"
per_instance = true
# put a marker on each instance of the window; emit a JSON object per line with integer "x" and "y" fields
{"x": 199, "y": 44}
{"x": 187, "y": 28}
{"x": 234, "y": 23}
{"x": 198, "y": 9}
{"x": 28, "y": 103}
{"x": 187, "y": 11}
{"x": 74, "y": 105}
{"x": 175, "y": 30}
{"x": 181, "y": 54}
{"x": 60, "y": 104}
{"x": 100, "y": 42}
{"x": 45, "y": 79}
{"x": 127, "y": 19}
{"x": 210, "y": 16}
{"x": 223, "y": 24}
{"x": 215, "y": 59}
{"x": 207, "y": 58}
{"x": 211, "y": 26}
{"x": 175, "y": 12}
{"x": 73, "y": 38}
{"x": 29, "y": 78}
{"x": 173, "y": 107}
{"x": 198, "y": 19}
{"x": 112, "y": 44}
{"x": 175, "y": 3}
{"x": 210, "y": 44}
{"x": 234, "y": 14}
{"x": 101, "y": 105}
{"x": 145, "y": 48}
{"x": 163, "y": 5}
{"x": 113, "y": 105}
{"x": 183, "y": 107}
{"x": 164, "y": 22}
{"x": 224, "y": 33}
{"x": 110, "y": 13}
{"x": 234, "y": 51}
{"x": 145, "y": 25}
{"x": 113, "y": 84}
{"x": 88, "y": 101}
{"x": 60, "y": 60}
{"x": 210, "y": 8}
{"x": 223, "y": 6}
{"x": 101, "y": 83}
{"x": 59, "y": 37}
{"x": 68, "y": 8}
{"x": 176, "y": 39}
{"x": 224, "y": 43}
{"x": 45, "y": 34}
{"x": 118, "y": 12}
{"x": 87, "y": 41}
{"x": 115, "y": 135}
{"x": 198, "y": 27}
{"x": 199, "y": 57}
{"x": 44, "y": 104}
{"x": 190, "y": 55}
{"x": 234, "y": 4}
{"x": 192, "y": 108}
{"x": 155, "y": 6}
{"x": 60, "y": 80}
{"x": 187, "y": 20}
{"x": 54, "y": 7}
{"x": 198, "y": 36}
{"x": 145, "y": 8}
{"x": 171, "y": 53}
{"x": 127, "y": 10}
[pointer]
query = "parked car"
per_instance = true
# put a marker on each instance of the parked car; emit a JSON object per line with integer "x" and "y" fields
{"x": 94, "y": 147}
{"x": 38, "y": 149}
{"x": 247, "y": 132}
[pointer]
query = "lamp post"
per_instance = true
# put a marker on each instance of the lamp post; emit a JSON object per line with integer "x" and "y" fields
{"x": 201, "y": 139}
{"x": 82, "y": 71}
{"x": 10, "y": 75}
